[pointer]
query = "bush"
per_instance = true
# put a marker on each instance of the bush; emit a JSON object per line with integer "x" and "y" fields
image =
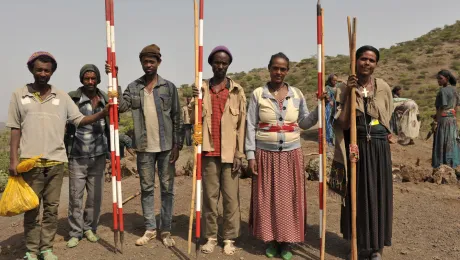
{"x": 455, "y": 65}
{"x": 406, "y": 59}
{"x": 412, "y": 67}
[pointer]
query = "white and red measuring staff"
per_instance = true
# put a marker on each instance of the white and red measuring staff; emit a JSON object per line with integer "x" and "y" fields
{"x": 321, "y": 131}
{"x": 200, "y": 119}
{"x": 118, "y": 226}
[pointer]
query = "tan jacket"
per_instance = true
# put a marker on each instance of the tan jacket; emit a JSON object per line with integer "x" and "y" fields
{"x": 232, "y": 124}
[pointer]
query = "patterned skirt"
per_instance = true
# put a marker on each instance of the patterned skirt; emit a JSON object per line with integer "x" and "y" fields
{"x": 278, "y": 203}
{"x": 446, "y": 149}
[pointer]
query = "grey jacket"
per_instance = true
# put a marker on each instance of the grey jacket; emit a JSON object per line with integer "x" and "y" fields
{"x": 168, "y": 108}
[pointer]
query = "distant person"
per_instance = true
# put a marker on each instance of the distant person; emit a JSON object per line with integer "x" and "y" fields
{"x": 224, "y": 119}
{"x": 158, "y": 132}
{"x": 37, "y": 116}
{"x": 396, "y": 93}
{"x": 330, "y": 107}
{"x": 445, "y": 142}
{"x": 87, "y": 148}
{"x": 405, "y": 120}
{"x": 276, "y": 113}
{"x": 126, "y": 142}
{"x": 186, "y": 110}
{"x": 374, "y": 190}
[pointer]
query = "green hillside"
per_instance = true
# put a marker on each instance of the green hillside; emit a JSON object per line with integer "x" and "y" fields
{"x": 412, "y": 65}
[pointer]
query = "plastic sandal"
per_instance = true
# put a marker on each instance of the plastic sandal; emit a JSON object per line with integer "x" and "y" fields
{"x": 209, "y": 247}
{"x": 48, "y": 255}
{"x": 73, "y": 242}
{"x": 31, "y": 256}
{"x": 229, "y": 248}
{"x": 272, "y": 250}
{"x": 91, "y": 236}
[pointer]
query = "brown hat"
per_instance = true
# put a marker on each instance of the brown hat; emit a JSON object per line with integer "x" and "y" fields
{"x": 151, "y": 49}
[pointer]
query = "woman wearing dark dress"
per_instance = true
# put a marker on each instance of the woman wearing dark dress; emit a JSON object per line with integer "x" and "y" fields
{"x": 374, "y": 107}
{"x": 445, "y": 145}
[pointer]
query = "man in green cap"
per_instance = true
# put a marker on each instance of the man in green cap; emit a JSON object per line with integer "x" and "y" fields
{"x": 158, "y": 137}
{"x": 87, "y": 149}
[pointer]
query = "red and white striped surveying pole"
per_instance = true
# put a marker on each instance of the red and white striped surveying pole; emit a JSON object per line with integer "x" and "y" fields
{"x": 321, "y": 133}
{"x": 117, "y": 199}
{"x": 200, "y": 119}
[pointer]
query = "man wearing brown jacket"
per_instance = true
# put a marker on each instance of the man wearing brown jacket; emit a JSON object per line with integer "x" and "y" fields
{"x": 224, "y": 119}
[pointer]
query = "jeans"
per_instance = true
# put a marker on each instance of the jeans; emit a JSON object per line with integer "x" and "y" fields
{"x": 146, "y": 163}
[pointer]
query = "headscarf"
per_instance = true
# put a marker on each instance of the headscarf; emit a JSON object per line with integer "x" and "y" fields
{"x": 395, "y": 91}
{"x": 90, "y": 67}
{"x": 38, "y": 54}
{"x": 329, "y": 79}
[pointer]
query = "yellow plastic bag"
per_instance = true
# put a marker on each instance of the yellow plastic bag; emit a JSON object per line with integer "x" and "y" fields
{"x": 27, "y": 165}
{"x": 17, "y": 198}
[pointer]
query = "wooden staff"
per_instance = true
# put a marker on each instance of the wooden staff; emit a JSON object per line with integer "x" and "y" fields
{"x": 192, "y": 203}
{"x": 353, "y": 145}
{"x": 324, "y": 144}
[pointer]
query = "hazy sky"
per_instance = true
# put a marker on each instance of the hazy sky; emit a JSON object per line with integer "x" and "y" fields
{"x": 74, "y": 32}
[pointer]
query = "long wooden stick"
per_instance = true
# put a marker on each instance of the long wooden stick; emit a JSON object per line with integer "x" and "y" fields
{"x": 324, "y": 165}
{"x": 131, "y": 197}
{"x": 192, "y": 203}
{"x": 353, "y": 145}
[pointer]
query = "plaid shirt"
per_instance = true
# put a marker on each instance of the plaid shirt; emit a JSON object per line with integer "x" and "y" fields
{"x": 218, "y": 100}
{"x": 90, "y": 140}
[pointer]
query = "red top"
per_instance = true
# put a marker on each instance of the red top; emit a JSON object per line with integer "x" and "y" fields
{"x": 218, "y": 100}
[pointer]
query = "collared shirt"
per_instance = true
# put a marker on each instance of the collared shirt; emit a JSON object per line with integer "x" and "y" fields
{"x": 42, "y": 123}
{"x": 233, "y": 122}
{"x": 90, "y": 140}
{"x": 168, "y": 110}
{"x": 218, "y": 101}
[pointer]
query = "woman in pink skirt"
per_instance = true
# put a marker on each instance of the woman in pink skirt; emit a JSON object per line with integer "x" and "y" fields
{"x": 276, "y": 113}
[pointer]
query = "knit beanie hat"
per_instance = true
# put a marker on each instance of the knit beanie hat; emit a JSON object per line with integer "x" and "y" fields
{"x": 218, "y": 49}
{"x": 151, "y": 49}
{"x": 36, "y": 55}
{"x": 90, "y": 67}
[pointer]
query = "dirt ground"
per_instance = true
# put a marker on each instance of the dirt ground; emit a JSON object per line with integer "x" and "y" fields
{"x": 426, "y": 220}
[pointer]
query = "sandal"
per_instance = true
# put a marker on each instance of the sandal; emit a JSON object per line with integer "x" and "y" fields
{"x": 148, "y": 235}
{"x": 31, "y": 256}
{"x": 91, "y": 236}
{"x": 48, "y": 255}
{"x": 376, "y": 256}
{"x": 229, "y": 248}
{"x": 208, "y": 248}
{"x": 272, "y": 249}
{"x": 73, "y": 242}
{"x": 168, "y": 241}
{"x": 286, "y": 253}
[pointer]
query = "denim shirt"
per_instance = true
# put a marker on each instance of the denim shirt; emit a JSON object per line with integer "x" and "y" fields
{"x": 168, "y": 108}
